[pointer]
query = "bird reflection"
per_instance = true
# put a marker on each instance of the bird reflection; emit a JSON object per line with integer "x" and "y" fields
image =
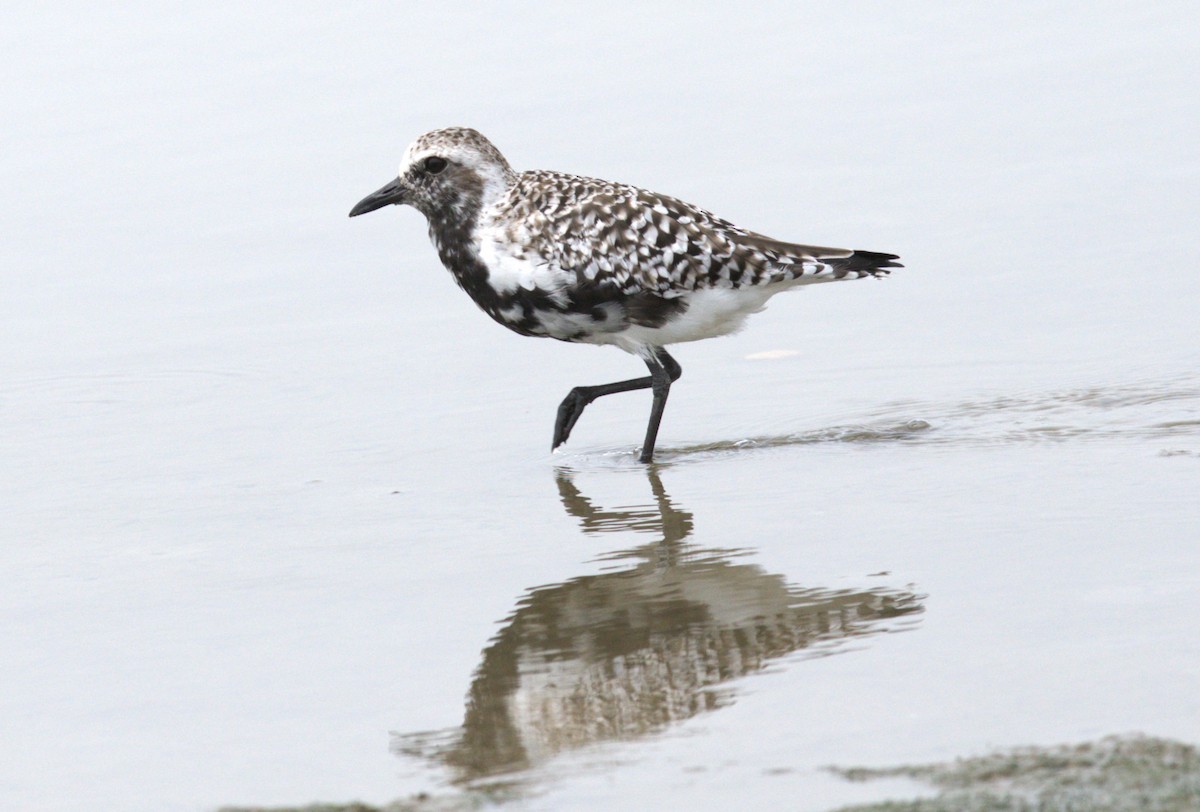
{"x": 627, "y": 653}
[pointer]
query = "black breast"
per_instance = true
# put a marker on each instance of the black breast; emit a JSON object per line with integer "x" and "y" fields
{"x": 600, "y": 306}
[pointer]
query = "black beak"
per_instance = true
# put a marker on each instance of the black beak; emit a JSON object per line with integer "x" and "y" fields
{"x": 389, "y": 195}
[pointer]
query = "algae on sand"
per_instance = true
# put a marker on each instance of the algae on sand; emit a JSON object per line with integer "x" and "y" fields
{"x": 1114, "y": 774}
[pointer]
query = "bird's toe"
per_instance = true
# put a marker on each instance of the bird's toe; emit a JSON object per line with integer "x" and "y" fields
{"x": 568, "y": 414}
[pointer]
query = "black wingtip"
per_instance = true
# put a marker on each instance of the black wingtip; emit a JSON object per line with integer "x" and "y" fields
{"x": 875, "y": 263}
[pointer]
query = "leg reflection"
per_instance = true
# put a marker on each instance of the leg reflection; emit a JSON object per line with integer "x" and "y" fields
{"x": 663, "y": 519}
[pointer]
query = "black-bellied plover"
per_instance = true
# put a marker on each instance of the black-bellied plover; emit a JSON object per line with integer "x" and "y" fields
{"x": 596, "y": 262}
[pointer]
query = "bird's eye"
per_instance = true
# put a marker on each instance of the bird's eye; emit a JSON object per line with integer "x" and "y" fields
{"x": 434, "y": 164}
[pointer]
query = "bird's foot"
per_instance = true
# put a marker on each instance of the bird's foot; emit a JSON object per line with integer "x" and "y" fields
{"x": 568, "y": 413}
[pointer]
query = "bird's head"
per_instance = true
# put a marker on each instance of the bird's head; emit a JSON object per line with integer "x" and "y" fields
{"x": 448, "y": 173}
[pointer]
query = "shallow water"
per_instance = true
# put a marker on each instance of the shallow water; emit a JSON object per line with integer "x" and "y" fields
{"x": 280, "y": 524}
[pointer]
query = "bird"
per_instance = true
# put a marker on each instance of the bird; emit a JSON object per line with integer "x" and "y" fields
{"x": 591, "y": 261}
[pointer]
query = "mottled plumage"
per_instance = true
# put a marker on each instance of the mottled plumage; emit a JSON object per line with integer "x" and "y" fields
{"x": 592, "y": 261}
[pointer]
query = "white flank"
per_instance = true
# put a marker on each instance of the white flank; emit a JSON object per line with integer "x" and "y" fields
{"x": 710, "y": 312}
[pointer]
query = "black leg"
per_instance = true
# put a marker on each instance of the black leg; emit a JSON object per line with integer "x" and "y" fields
{"x": 662, "y": 368}
{"x": 578, "y": 399}
{"x": 661, "y": 377}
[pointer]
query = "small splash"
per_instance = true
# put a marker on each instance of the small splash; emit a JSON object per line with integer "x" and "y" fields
{"x": 869, "y": 434}
{"x": 882, "y": 432}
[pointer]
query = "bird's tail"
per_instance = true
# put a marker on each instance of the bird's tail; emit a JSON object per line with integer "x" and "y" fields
{"x": 862, "y": 263}
{"x": 801, "y": 264}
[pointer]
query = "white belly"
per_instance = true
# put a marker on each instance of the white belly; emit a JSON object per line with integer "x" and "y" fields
{"x": 712, "y": 312}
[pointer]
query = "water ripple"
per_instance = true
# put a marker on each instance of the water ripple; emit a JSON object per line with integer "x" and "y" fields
{"x": 1154, "y": 411}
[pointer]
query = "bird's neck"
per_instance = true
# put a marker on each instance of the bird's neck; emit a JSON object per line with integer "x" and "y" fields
{"x": 454, "y": 238}
{"x": 452, "y": 233}
{"x": 453, "y": 222}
